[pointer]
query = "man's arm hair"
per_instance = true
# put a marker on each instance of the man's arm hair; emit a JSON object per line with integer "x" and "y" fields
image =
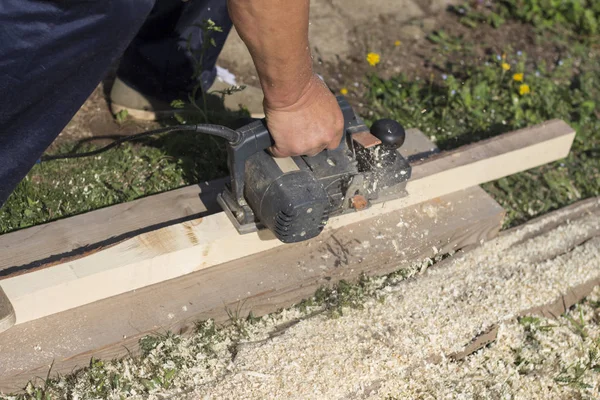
{"x": 302, "y": 114}
{"x": 276, "y": 33}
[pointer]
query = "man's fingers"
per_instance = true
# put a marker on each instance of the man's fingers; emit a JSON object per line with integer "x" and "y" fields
{"x": 275, "y": 152}
{"x": 335, "y": 143}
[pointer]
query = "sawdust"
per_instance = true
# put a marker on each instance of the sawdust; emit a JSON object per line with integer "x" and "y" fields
{"x": 386, "y": 348}
{"x": 399, "y": 344}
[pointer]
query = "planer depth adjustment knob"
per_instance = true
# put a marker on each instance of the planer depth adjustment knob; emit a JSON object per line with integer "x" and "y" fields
{"x": 390, "y": 132}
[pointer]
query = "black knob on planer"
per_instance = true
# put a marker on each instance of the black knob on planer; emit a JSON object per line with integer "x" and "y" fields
{"x": 390, "y": 132}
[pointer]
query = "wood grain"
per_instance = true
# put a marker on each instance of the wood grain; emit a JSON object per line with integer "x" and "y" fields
{"x": 261, "y": 283}
{"x": 60, "y": 240}
{"x": 180, "y": 249}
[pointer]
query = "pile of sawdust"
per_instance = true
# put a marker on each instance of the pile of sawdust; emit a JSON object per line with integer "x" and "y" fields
{"x": 395, "y": 347}
{"x": 531, "y": 359}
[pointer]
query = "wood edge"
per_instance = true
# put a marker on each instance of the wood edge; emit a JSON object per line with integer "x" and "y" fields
{"x": 213, "y": 186}
{"x": 129, "y": 345}
{"x": 565, "y": 130}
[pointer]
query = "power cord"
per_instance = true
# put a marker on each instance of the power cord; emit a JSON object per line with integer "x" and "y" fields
{"x": 216, "y": 130}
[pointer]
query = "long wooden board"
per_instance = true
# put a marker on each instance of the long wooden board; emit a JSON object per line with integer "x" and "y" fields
{"x": 261, "y": 283}
{"x": 180, "y": 249}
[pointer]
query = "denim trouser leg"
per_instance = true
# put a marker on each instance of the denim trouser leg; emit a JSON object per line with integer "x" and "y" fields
{"x": 54, "y": 53}
{"x": 158, "y": 61}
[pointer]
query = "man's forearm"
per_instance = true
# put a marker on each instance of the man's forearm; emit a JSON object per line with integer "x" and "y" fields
{"x": 303, "y": 116}
{"x": 276, "y": 33}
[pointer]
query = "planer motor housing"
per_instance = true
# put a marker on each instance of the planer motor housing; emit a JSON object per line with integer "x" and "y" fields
{"x": 294, "y": 197}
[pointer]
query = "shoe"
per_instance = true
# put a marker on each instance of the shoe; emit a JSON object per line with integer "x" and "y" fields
{"x": 250, "y": 99}
{"x": 147, "y": 108}
{"x": 138, "y": 105}
{"x": 7, "y": 312}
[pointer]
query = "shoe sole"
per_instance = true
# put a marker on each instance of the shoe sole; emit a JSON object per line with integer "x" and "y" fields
{"x": 7, "y": 313}
{"x": 143, "y": 115}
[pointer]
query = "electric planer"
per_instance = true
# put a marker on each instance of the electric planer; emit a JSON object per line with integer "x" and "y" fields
{"x": 294, "y": 197}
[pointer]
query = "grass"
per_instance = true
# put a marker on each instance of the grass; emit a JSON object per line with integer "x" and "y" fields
{"x": 535, "y": 353}
{"x": 464, "y": 103}
{"x": 581, "y": 17}
{"x": 470, "y": 103}
{"x": 58, "y": 189}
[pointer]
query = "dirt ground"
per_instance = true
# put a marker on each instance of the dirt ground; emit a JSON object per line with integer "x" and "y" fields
{"x": 401, "y": 38}
{"x": 344, "y": 66}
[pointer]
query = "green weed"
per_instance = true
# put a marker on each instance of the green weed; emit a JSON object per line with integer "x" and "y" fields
{"x": 507, "y": 92}
{"x": 579, "y": 16}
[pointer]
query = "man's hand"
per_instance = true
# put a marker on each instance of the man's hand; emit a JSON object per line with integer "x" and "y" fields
{"x": 308, "y": 126}
{"x": 302, "y": 114}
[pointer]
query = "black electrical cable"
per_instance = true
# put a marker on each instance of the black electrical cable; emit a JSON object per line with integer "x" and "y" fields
{"x": 216, "y": 130}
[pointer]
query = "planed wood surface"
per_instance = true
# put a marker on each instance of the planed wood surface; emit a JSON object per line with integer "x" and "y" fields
{"x": 263, "y": 283}
{"x": 52, "y": 242}
{"x": 183, "y": 248}
{"x": 7, "y": 314}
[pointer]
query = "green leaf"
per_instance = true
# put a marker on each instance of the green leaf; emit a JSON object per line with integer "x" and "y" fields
{"x": 121, "y": 116}
{"x": 148, "y": 384}
{"x": 178, "y": 103}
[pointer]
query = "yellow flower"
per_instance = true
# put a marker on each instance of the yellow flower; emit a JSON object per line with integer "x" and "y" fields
{"x": 506, "y": 66}
{"x": 504, "y": 56}
{"x": 397, "y": 43}
{"x": 373, "y": 59}
{"x": 518, "y": 77}
{"x": 344, "y": 91}
{"x": 524, "y": 89}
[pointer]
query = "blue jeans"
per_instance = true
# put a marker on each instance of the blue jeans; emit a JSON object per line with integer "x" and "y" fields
{"x": 53, "y": 54}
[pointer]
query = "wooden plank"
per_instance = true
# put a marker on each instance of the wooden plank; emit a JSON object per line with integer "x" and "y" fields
{"x": 262, "y": 283}
{"x": 180, "y": 249}
{"x": 71, "y": 237}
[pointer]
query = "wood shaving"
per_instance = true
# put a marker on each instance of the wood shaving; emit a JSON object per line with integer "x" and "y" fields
{"x": 386, "y": 349}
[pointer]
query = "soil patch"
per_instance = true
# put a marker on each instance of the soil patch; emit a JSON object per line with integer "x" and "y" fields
{"x": 420, "y": 54}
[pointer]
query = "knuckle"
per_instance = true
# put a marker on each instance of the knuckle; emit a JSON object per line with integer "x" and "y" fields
{"x": 294, "y": 150}
{"x": 278, "y": 152}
